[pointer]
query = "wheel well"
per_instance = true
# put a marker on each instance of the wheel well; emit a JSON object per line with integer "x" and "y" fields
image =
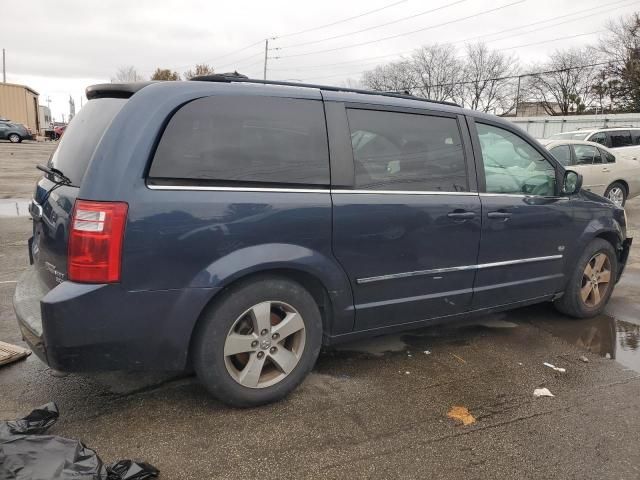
{"x": 621, "y": 182}
{"x": 307, "y": 280}
{"x": 610, "y": 237}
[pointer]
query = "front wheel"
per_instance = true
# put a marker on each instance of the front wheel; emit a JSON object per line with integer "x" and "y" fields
{"x": 15, "y": 138}
{"x": 258, "y": 342}
{"x": 617, "y": 193}
{"x": 592, "y": 281}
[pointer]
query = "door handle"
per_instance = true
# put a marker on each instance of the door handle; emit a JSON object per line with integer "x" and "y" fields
{"x": 461, "y": 215}
{"x": 503, "y": 215}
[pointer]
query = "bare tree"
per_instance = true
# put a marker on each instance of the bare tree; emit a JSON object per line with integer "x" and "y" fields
{"x": 394, "y": 77}
{"x": 488, "y": 84}
{"x": 621, "y": 46}
{"x": 566, "y": 86}
{"x": 127, "y": 74}
{"x": 199, "y": 70}
{"x": 165, "y": 74}
{"x": 436, "y": 71}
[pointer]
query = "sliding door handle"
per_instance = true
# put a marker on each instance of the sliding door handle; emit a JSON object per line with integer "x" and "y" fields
{"x": 461, "y": 215}
{"x": 503, "y": 215}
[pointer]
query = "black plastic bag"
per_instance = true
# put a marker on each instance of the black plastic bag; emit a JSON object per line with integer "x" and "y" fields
{"x": 129, "y": 470}
{"x": 27, "y": 454}
{"x": 37, "y": 422}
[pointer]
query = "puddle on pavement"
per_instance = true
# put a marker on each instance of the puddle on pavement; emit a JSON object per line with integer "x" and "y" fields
{"x": 603, "y": 335}
{"x": 424, "y": 339}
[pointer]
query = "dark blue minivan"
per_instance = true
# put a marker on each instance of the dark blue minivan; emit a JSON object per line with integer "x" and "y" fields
{"x": 235, "y": 226}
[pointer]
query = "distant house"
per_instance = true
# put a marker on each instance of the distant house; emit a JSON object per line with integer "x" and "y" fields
{"x": 19, "y": 103}
{"x": 536, "y": 109}
{"x": 45, "y": 117}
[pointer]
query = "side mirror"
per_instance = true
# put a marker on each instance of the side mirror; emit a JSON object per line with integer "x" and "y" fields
{"x": 572, "y": 182}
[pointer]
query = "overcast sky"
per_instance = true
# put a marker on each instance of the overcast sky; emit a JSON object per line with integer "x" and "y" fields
{"x": 59, "y": 47}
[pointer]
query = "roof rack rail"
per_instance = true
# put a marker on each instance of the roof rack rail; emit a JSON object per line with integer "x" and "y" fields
{"x": 236, "y": 77}
{"x": 606, "y": 127}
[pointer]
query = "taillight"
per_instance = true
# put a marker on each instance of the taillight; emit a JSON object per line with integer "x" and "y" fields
{"x": 95, "y": 241}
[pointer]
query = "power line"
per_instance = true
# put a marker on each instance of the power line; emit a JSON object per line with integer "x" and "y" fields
{"x": 342, "y": 35}
{"x": 339, "y": 21}
{"x": 363, "y": 60}
{"x": 552, "y": 40}
{"x": 231, "y": 64}
{"x": 484, "y": 12}
{"x": 577, "y": 12}
{"x": 513, "y": 77}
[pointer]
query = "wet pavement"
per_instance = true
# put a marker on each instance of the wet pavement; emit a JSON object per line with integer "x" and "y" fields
{"x": 377, "y": 408}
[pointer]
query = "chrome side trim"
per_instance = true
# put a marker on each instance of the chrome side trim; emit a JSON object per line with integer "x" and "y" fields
{"x": 437, "y": 271}
{"x": 402, "y": 192}
{"x": 521, "y": 195}
{"x": 237, "y": 189}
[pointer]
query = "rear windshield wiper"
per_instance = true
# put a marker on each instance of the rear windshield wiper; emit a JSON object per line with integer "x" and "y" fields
{"x": 54, "y": 172}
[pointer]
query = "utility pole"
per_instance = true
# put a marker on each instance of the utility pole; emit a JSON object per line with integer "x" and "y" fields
{"x": 266, "y": 56}
{"x": 4, "y": 67}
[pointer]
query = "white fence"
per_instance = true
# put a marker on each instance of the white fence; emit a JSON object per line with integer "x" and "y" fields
{"x": 543, "y": 127}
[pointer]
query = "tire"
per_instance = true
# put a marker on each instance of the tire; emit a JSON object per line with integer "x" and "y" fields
{"x": 15, "y": 138}
{"x": 573, "y": 302}
{"x": 617, "y": 193}
{"x": 232, "y": 318}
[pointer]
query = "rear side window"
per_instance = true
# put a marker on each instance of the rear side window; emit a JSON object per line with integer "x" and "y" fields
{"x": 608, "y": 158}
{"x": 635, "y": 137}
{"x": 402, "y": 151}
{"x": 562, "y": 153}
{"x": 600, "y": 138}
{"x": 80, "y": 139}
{"x": 621, "y": 138}
{"x": 586, "y": 154}
{"x": 244, "y": 140}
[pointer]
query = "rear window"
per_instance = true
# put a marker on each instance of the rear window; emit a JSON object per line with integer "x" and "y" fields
{"x": 245, "y": 140}
{"x": 80, "y": 139}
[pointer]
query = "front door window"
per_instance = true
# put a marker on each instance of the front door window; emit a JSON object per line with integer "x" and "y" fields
{"x": 512, "y": 165}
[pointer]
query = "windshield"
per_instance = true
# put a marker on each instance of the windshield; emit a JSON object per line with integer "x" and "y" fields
{"x": 82, "y": 136}
{"x": 570, "y": 136}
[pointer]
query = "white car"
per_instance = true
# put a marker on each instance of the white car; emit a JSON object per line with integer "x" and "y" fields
{"x": 619, "y": 139}
{"x": 611, "y": 174}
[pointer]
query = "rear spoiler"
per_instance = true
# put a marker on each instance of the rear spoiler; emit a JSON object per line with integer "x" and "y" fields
{"x": 114, "y": 90}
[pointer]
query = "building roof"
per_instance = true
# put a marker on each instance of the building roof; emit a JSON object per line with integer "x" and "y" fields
{"x": 18, "y": 85}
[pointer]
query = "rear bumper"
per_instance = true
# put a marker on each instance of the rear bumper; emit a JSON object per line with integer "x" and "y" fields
{"x": 77, "y": 327}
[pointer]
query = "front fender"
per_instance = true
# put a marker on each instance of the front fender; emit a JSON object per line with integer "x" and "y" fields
{"x": 604, "y": 227}
{"x": 281, "y": 256}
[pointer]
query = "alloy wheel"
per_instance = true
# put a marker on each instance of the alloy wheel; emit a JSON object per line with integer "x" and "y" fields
{"x": 13, "y": 138}
{"x": 264, "y": 344}
{"x": 595, "y": 280}
{"x": 616, "y": 195}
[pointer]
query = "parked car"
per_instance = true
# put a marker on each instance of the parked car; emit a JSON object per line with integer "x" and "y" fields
{"x": 14, "y": 132}
{"x": 235, "y": 226}
{"x": 58, "y": 131}
{"x": 619, "y": 139}
{"x": 605, "y": 172}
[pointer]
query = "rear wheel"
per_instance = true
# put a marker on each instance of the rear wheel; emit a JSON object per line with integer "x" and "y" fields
{"x": 258, "y": 342}
{"x": 15, "y": 138}
{"x": 592, "y": 282}
{"x": 617, "y": 193}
